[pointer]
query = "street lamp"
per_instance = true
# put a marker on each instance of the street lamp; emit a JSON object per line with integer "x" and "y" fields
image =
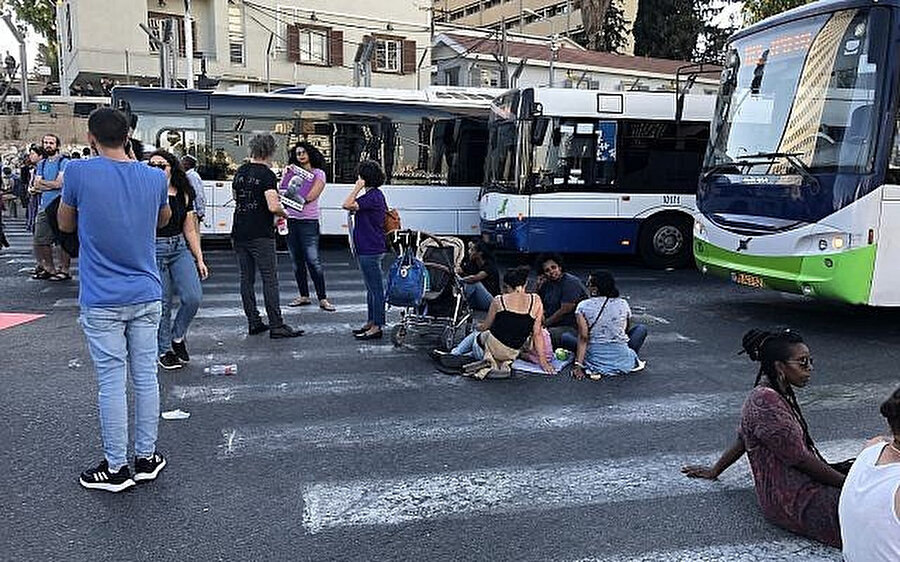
{"x": 554, "y": 38}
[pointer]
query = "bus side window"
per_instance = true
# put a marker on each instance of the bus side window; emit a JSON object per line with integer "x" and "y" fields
{"x": 893, "y": 171}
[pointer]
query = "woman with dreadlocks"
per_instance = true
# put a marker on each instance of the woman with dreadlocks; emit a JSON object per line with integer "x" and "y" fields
{"x": 795, "y": 487}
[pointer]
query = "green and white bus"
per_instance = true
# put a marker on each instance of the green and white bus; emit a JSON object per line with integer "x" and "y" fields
{"x": 801, "y": 184}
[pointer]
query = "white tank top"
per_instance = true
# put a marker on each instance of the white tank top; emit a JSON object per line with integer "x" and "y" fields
{"x": 870, "y": 528}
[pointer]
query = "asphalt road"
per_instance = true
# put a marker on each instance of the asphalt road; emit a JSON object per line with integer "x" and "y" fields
{"x": 324, "y": 448}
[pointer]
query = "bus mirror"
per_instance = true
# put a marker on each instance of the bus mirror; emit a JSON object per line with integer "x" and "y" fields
{"x": 557, "y": 137}
{"x": 539, "y": 130}
{"x": 537, "y": 109}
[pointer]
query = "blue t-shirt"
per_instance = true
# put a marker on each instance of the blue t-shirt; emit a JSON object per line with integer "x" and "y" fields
{"x": 49, "y": 170}
{"x": 118, "y": 204}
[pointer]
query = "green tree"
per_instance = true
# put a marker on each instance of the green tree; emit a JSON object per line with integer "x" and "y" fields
{"x": 756, "y": 10}
{"x": 614, "y": 33}
{"x": 49, "y": 56}
{"x": 668, "y": 28}
{"x": 40, "y": 14}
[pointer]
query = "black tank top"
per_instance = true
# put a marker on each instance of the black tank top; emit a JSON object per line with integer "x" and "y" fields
{"x": 513, "y": 328}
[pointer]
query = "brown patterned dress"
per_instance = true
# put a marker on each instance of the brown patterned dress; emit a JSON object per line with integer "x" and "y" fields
{"x": 788, "y": 497}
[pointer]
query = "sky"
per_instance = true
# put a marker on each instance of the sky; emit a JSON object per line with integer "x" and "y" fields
{"x": 8, "y": 43}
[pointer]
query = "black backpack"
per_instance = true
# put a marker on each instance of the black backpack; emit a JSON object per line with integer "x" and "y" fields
{"x": 68, "y": 241}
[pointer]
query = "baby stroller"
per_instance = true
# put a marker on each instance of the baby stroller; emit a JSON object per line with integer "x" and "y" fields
{"x": 443, "y": 311}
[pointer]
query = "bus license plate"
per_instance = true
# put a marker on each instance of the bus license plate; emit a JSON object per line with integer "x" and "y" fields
{"x": 747, "y": 280}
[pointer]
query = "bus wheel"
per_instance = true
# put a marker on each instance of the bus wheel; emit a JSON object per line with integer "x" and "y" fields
{"x": 665, "y": 241}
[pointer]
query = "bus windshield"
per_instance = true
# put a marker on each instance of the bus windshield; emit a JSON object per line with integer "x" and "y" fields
{"x": 503, "y": 142}
{"x": 809, "y": 89}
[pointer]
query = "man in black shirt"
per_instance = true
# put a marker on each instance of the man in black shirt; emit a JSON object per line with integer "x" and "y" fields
{"x": 253, "y": 235}
{"x": 560, "y": 292}
{"x": 480, "y": 276}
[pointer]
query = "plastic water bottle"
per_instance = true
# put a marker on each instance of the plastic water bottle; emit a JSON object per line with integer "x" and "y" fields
{"x": 218, "y": 370}
{"x": 561, "y": 353}
{"x": 282, "y": 226}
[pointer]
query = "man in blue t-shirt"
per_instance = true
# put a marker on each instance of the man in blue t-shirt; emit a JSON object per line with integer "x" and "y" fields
{"x": 560, "y": 292}
{"x": 117, "y": 204}
{"x": 48, "y": 179}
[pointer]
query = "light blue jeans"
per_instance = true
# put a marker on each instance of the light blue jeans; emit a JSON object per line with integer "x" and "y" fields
{"x": 478, "y": 296}
{"x": 122, "y": 340}
{"x": 178, "y": 274}
{"x": 469, "y": 346}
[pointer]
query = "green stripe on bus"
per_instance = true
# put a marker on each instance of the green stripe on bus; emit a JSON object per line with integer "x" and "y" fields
{"x": 844, "y": 276}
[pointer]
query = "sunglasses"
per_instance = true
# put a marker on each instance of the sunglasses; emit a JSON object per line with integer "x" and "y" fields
{"x": 160, "y": 165}
{"x": 300, "y": 151}
{"x": 803, "y": 362}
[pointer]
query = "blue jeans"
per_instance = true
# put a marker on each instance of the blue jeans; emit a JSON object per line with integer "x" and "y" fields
{"x": 121, "y": 340}
{"x": 372, "y": 277}
{"x": 636, "y": 336}
{"x": 469, "y": 346}
{"x": 303, "y": 244}
{"x": 178, "y": 273}
{"x": 477, "y": 296}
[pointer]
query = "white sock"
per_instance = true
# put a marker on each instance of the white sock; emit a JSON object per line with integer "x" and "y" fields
{"x": 177, "y": 340}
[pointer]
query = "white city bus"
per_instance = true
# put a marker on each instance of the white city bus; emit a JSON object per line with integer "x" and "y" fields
{"x": 431, "y": 143}
{"x": 801, "y": 188}
{"x": 594, "y": 172}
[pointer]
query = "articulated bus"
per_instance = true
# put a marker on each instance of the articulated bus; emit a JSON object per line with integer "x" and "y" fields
{"x": 801, "y": 185}
{"x": 593, "y": 172}
{"x": 432, "y": 144}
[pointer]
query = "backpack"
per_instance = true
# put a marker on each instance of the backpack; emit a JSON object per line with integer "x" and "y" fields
{"x": 391, "y": 221}
{"x": 407, "y": 281}
{"x": 68, "y": 241}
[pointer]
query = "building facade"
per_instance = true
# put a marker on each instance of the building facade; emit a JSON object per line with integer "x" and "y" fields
{"x": 474, "y": 58}
{"x": 244, "y": 44}
{"x": 532, "y": 17}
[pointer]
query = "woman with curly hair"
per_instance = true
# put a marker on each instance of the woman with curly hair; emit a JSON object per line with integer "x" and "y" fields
{"x": 301, "y": 186}
{"x": 796, "y": 488}
{"x": 180, "y": 262}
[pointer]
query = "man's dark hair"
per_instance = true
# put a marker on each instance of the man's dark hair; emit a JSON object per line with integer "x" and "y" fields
{"x": 109, "y": 126}
{"x": 188, "y": 162}
{"x": 891, "y": 411}
{"x": 86, "y": 152}
{"x": 55, "y": 137}
{"x": 544, "y": 258}
{"x": 371, "y": 173}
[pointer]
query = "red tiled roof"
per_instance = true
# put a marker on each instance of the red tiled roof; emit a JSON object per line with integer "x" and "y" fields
{"x": 538, "y": 52}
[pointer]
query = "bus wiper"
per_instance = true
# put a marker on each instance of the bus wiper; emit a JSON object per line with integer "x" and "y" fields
{"x": 791, "y": 158}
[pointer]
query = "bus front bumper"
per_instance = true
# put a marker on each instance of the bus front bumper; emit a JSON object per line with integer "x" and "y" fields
{"x": 844, "y": 276}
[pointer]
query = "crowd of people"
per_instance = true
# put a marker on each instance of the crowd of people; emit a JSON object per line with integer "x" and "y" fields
{"x": 128, "y": 286}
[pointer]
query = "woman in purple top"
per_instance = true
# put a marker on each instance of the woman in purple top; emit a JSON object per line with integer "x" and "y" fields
{"x": 796, "y": 489}
{"x": 366, "y": 202}
{"x": 301, "y": 185}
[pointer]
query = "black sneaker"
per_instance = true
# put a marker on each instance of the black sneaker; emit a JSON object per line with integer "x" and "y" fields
{"x": 100, "y": 478}
{"x": 148, "y": 469}
{"x": 284, "y": 331}
{"x": 258, "y": 329}
{"x": 169, "y": 361}
{"x": 180, "y": 351}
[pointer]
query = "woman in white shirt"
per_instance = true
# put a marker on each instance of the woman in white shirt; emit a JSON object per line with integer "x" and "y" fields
{"x": 869, "y": 508}
{"x": 608, "y": 342}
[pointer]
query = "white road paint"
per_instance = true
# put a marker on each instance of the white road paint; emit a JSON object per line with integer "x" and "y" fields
{"x": 501, "y": 423}
{"x": 393, "y": 501}
{"x": 221, "y": 392}
{"x": 780, "y": 550}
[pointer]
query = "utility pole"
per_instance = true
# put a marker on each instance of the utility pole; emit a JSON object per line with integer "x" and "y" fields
{"x": 162, "y": 41}
{"x": 189, "y": 43}
{"x": 554, "y": 49}
{"x": 269, "y": 62}
{"x": 61, "y": 42}
{"x": 23, "y": 60}
{"x": 504, "y": 50}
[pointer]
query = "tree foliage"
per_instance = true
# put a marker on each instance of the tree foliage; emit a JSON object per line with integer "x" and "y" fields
{"x": 604, "y": 25}
{"x": 756, "y": 10}
{"x": 668, "y": 28}
{"x": 40, "y": 14}
{"x": 593, "y": 17}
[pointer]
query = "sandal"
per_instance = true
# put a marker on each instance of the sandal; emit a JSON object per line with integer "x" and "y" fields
{"x": 60, "y": 276}
{"x": 300, "y": 301}
{"x": 43, "y": 275}
{"x": 326, "y": 306}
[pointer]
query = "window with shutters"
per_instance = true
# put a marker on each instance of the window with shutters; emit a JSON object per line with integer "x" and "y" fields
{"x": 387, "y": 55}
{"x": 315, "y": 45}
{"x": 235, "y": 34}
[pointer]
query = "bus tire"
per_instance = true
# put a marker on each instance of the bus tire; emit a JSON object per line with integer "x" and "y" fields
{"x": 665, "y": 241}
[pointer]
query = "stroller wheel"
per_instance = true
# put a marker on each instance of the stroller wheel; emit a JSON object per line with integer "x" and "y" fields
{"x": 448, "y": 339}
{"x": 398, "y": 335}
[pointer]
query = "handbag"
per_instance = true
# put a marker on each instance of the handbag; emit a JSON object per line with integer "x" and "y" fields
{"x": 407, "y": 281}
{"x": 391, "y": 221}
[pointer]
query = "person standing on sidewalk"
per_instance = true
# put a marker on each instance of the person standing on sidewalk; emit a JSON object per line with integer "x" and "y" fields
{"x": 302, "y": 183}
{"x": 256, "y": 204}
{"x": 180, "y": 261}
{"x": 117, "y": 204}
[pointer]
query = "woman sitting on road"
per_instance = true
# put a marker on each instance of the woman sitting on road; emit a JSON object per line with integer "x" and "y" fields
{"x": 870, "y": 501}
{"x": 796, "y": 489}
{"x": 608, "y": 342}
{"x": 512, "y": 319}
{"x": 180, "y": 262}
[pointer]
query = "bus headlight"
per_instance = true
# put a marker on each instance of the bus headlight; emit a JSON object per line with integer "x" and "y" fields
{"x": 699, "y": 229}
{"x": 837, "y": 242}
